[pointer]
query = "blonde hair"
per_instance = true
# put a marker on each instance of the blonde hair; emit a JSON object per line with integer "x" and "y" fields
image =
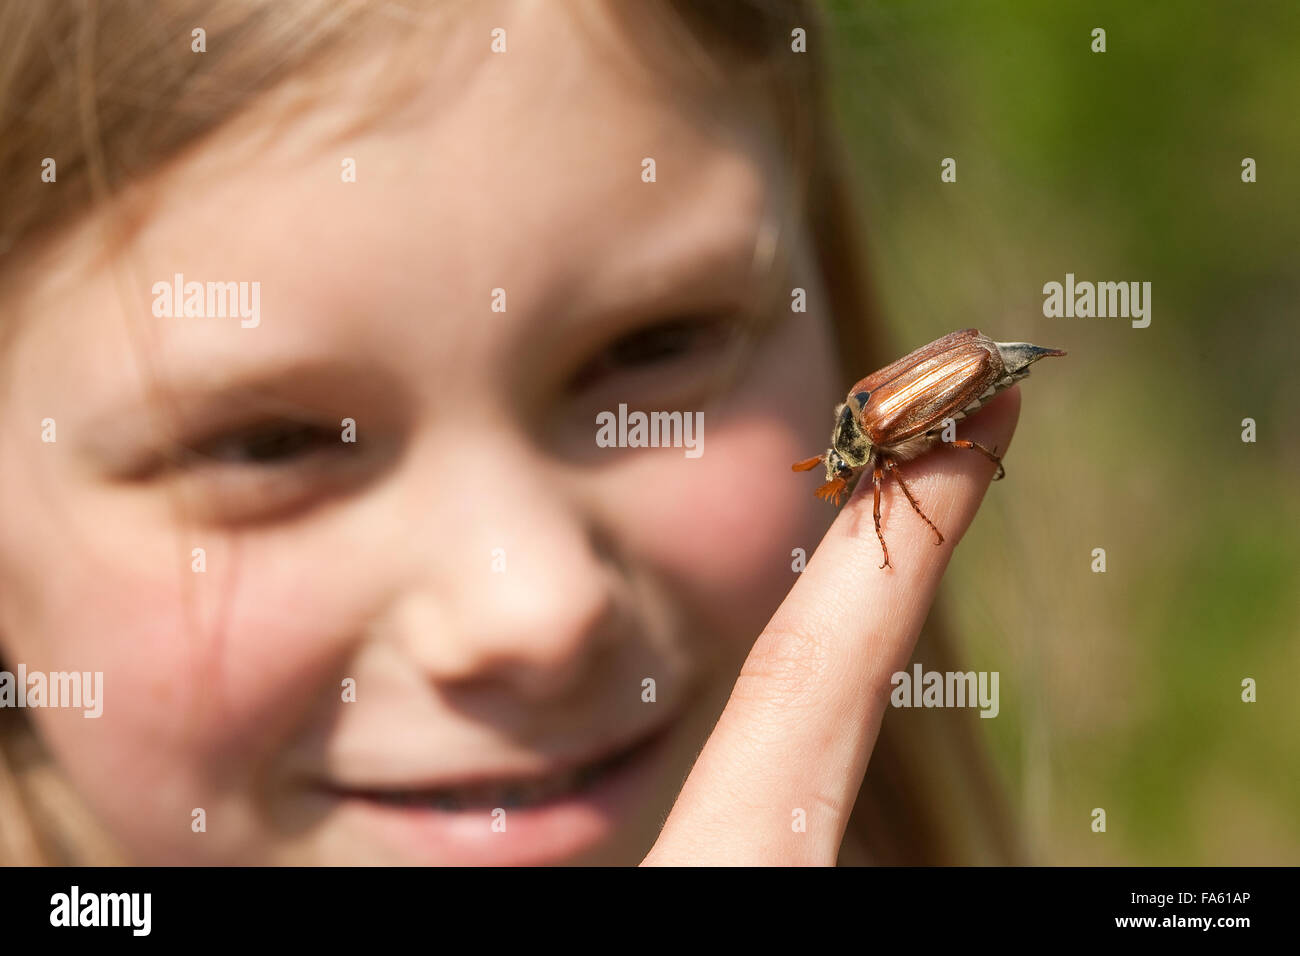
{"x": 114, "y": 92}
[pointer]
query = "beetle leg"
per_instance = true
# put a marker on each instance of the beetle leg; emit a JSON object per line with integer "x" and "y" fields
{"x": 892, "y": 468}
{"x": 992, "y": 456}
{"x": 831, "y": 491}
{"x": 875, "y": 477}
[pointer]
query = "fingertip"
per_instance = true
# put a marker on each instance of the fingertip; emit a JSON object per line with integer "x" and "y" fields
{"x": 996, "y": 422}
{"x": 948, "y": 484}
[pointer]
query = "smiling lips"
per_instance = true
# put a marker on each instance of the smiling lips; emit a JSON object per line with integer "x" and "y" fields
{"x": 520, "y": 792}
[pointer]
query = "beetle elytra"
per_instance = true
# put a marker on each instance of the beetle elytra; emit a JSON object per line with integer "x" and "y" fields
{"x": 899, "y": 412}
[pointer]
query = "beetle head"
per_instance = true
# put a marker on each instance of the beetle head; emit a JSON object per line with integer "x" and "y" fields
{"x": 836, "y": 466}
{"x": 850, "y": 450}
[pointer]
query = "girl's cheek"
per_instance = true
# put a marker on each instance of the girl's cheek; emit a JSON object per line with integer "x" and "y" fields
{"x": 731, "y": 527}
{"x": 205, "y": 675}
{"x": 132, "y": 762}
{"x": 725, "y": 527}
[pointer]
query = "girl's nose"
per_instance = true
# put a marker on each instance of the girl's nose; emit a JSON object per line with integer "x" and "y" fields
{"x": 519, "y": 593}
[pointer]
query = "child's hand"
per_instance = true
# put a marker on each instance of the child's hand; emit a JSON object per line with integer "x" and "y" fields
{"x": 803, "y": 717}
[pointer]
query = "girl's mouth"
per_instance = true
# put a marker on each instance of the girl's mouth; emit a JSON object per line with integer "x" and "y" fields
{"x": 512, "y": 794}
{"x": 542, "y": 819}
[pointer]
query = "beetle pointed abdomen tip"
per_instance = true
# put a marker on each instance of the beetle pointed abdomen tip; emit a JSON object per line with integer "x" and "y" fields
{"x": 1019, "y": 355}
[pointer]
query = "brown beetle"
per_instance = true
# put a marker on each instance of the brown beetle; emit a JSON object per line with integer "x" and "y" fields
{"x": 899, "y": 412}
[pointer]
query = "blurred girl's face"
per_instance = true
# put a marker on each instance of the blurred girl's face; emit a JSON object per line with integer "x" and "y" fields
{"x": 497, "y": 589}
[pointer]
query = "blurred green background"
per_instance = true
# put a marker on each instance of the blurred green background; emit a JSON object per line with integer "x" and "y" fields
{"x": 1119, "y": 690}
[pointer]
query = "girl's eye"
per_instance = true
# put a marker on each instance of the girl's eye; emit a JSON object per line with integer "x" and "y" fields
{"x": 656, "y": 345}
{"x": 269, "y": 444}
{"x": 273, "y": 471}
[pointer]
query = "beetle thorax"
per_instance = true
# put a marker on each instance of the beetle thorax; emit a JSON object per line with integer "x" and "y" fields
{"x": 850, "y": 446}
